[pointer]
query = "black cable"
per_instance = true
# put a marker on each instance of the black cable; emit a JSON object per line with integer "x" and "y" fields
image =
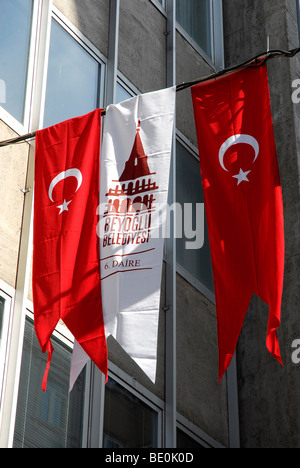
{"x": 254, "y": 62}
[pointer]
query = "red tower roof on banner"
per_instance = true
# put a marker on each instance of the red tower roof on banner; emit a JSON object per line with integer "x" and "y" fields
{"x": 137, "y": 164}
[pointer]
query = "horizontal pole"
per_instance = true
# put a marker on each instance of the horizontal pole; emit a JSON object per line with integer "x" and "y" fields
{"x": 256, "y": 61}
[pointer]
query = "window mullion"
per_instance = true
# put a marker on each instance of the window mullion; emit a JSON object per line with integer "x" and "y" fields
{"x": 42, "y": 65}
{"x": 170, "y": 360}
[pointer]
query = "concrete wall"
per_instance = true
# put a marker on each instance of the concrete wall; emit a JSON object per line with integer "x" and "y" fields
{"x": 269, "y": 396}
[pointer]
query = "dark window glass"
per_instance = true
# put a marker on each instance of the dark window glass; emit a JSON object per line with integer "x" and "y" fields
{"x": 128, "y": 422}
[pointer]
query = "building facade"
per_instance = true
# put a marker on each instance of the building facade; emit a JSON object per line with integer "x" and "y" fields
{"x": 63, "y": 58}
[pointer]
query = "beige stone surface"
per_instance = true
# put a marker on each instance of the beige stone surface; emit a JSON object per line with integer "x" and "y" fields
{"x": 13, "y": 165}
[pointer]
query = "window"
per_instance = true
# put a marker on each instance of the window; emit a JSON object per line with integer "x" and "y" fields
{"x": 52, "y": 419}
{"x": 194, "y": 16}
{"x": 73, "y": 81}
{"x": 189, "y": 190}
{"x": 128, "y": 421}
{"x": 15, "y": 29}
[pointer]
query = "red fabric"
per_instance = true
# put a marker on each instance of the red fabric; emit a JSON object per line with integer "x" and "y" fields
{"x": 66, "y": 256}
{"x": 243, "y": 201}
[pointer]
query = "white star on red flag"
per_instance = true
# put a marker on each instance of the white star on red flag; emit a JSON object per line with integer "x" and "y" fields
{"x": 242, "y": 176}
{"x": 64, "y": 206}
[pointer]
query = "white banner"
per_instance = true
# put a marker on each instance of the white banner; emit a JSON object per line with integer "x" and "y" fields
{"x": 134, "y": 182}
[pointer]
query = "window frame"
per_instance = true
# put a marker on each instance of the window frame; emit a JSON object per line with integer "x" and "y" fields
{"x": 145, "y": 396}
{"x": 9, "y": 119}
{"x": 160, "y": 6}
{"x": 217, "y": 60}
{"x": 82, "y": 40}
{"x": 189, "y": 277}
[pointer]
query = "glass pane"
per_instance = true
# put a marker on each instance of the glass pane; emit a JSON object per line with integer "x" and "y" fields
{"x": 128, "y": 422}
{"x": 15, "y": 27}
{"x": 73, "y": 79}
{"x": 189, "y": 190}
{"x": 52, "y": 419}
{"x": 194, "y": 17}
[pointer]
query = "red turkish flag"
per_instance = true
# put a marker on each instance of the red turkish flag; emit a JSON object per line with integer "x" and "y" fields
{"x": 243, "y": 201}
{"x": 66, "y": 256}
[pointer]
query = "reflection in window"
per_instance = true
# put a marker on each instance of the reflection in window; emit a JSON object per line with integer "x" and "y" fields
{"x": 189, "y": 190}
{"x": 15, "y": 27}
{"x": 128, "y": 422}
{"x": 73, "y": 79}
{"x": 52, "y": 419}
{"x": 194, "y": 17}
